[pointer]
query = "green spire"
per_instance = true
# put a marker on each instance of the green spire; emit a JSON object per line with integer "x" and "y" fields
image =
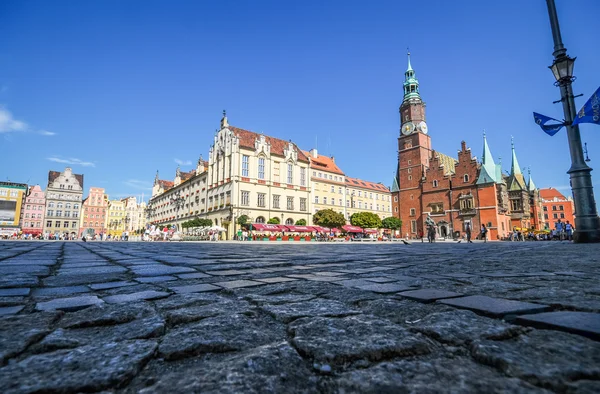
{"x": 517, "y": 181}
{"x": 530, "y": 185}
{"x": 488, "y": 171}
{"x": 514, "y": 166}
{"x": 411, "y": 84}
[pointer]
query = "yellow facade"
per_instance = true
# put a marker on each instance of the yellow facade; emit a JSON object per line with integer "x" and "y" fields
{"x": 115, "y": 219}
{"x": 11, "y": 200}
{"x": 364, "y": 196}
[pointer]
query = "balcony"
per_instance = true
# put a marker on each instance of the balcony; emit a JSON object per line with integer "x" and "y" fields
{"x": 467, "y": 212}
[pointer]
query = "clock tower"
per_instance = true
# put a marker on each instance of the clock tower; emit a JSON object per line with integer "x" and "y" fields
{"x": 414, "y": 152}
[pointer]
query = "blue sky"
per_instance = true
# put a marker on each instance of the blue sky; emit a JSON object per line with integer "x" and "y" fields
{"x": 121, "y": 89}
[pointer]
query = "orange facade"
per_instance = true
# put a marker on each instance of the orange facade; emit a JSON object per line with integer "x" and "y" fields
{"x": 556, "y": 206}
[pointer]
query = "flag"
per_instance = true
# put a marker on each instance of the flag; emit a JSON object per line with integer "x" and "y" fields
{"x": 550, "y": 129}
{"x": 590, "y": 112}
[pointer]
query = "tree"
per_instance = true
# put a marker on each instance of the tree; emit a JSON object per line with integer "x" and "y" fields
{"x": 365, "y": 220}
{"x": 242, "y": 220}
{"x": 392, "y": 223}
{"x": 328, "y": 218}
{"x": 301, "y": 222}
{"x": 273, "y": 220}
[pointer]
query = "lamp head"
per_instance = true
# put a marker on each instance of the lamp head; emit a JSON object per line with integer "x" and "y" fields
{"x": 562, "y": 68}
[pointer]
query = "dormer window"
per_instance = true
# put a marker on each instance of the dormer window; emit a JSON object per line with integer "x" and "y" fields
{"x": 466, "y": 178}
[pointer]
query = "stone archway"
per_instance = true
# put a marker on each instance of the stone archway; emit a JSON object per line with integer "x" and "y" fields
{"x": 443, "y": 229}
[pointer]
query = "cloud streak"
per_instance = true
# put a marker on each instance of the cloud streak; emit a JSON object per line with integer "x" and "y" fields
{"x": 72, "y": 161}
{"x": 8, "y": 124}
{"x": 46, "y": 132}
{"x": 137, "y": 184}
{"x": 183, "y": 162}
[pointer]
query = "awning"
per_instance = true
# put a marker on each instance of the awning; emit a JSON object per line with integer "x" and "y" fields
{"x": 268, "y": 227}
{"x": 301, "y": 229}
{"x": 371, "y": 231}
{"x": 352, "y": 229}
{"x": 326, "y": 229}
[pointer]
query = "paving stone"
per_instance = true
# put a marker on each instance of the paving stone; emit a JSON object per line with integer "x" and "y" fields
{"x": 106, "y": 315}
{"x": 111, "y": 285}
{"x": 447, "y": 375}
{"x": 277, "y": 299}
{"x": 189, "y": 299}
{"x": 84, "y": 369}
{"x": 380, "y": 279}
{"x": 69, "y": 304}
{"x": 317, "y": 307}
{"x": 276, "y": 368}
{"x": 197, "y": 275}
{"x": 428, "y": 295}
{"x": 225, "y": 272}
{"x": 458, "y": 275}
{"x": 195, "y": 288}
{"x": 140, "y": 296}
{"x": 514, "y": 274}
{"x": 317, "y": 278}
{"x": 17, "y": 291}
{"x": 550, "y": 359}
{"x": 195, "y": 313}
{"x": 259, "y": 271}
{"x": 355, "y": 282}
{"x": 58, "y": 291}
{"x": 12, "y": 301}
{"x": 219, "y": 334}
{"x": 582, "y": 323}
{"x": 160, "y": 270}
{"x": 384, "y": 287}
{"x": 18, "y": 280}
{"x": 73, "y": 280}
{"x": 400, "y": 311}
{"x": 109, "y": 269}
{"x": 328, "y": 273}
{"x": 496, "y": 307}
{"x": 340, "y": 341}
{"x": 24, "y": 269}
{"x": 156, "y": 279}
{"x": 10, "y": 310}
{"x": 19, "y": 332}
{"x": 234, "y": 284}
{"x": 275, "y": 279}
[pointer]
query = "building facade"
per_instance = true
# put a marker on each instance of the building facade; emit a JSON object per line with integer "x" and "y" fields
{"x": 455, "y": 193}
{"x": 365, "y": 196}
{"x": 556, "y": 206}
{"x": 135, "y": 214}
{"x": 327, "y": 183}
{"x": 115, "y": 218}
{"x": 12, "y": 198}
{"x": 94, "y": 211}
{"x": 63, "y": 203}
{"x": 35, "y": 204}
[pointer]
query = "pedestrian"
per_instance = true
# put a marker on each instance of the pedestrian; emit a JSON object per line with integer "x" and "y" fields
{"x": 560, "y": 230}
{"x": 569, "y": 231}
{"x": 421, "y": 235}
{"x": 483, "y": 233}
{"x": 468, "y": 231}
{"x": 239, "y": 235}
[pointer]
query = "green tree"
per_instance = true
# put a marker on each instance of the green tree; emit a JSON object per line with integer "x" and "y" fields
{"x": 365, "y": 220}
{"x": 273, "y": 220}
{"x": 242, "y": 220}
{"x": 301, "y": 222}
{"x": 392, "y": 223}
{"x": 328, "y": 218}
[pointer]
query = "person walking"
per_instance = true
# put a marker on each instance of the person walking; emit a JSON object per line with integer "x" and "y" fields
{"x": 569, "y": 231}
{"x": 468, "y": 231}
{"x": 483, "y": 233}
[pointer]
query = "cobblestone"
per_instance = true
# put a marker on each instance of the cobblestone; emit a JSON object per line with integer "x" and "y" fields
{"x": 299, "y": 318}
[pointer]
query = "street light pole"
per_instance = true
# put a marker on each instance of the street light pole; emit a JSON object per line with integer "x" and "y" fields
{"x": 587, "y": 222}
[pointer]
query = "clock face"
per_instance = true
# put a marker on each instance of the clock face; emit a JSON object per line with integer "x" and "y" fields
{"x": 423, "y": 127}
{"x": 408, "y": 128}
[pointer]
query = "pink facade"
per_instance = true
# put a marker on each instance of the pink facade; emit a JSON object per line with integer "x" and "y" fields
{"x": 33, "y": 214}
{"x": 94, "y": 211}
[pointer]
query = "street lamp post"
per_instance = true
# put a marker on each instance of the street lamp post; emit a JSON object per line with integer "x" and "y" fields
{"x": 178, "y": 201}
{"x": 587, "y": 222}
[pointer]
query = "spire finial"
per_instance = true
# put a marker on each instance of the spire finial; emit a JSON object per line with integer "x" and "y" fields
{"x": 512, "y": 142}
{"x": 483, "y": 133}
{"x": 409, "y": 65}
{"x": 224, "y": 113}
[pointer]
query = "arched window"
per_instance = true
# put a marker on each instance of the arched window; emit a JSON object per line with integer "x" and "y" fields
{"x": 466, "y": 178}
{"x": 260, "y": 219}
{"x": 435, "y": 183}
{"x": 289, "y": 221}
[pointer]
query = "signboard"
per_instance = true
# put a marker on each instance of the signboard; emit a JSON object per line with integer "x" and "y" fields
{"x": 8, "y": 213}
{"x": 11, "y": 197}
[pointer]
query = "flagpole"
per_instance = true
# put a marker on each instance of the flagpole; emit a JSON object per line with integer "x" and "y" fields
{"x": 587, "y": 222}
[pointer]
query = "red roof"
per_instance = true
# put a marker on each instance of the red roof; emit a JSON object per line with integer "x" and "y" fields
{"x": 355, "y": 182}
{"x": 165, "y": 184}
{"x": 550, "y": 194}
{"x": 52, "y": 175}
{"x": 187, "y": 175}
{"x": 247, "y": 139}
{"x": 323, "y": 163}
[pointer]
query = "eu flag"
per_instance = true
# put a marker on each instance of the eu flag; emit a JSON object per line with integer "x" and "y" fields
{"x": 590, "y": 112}
{"x": 550, "y": 129}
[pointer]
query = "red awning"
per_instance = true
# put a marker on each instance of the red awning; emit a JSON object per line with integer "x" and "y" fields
{"x": 301, "y": 229}
{"x": 268, "y": 227}
{"x": 371, "y": 231}
{"x": 352, "y": 229}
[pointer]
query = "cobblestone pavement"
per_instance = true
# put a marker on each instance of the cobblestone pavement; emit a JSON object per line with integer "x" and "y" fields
{"x": 307, "y": 318}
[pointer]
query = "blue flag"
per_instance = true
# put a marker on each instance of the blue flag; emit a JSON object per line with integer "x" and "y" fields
{"x": 550, "y": 129}
{"x": 590, "y": 112}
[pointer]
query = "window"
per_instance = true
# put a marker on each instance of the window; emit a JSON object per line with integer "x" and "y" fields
{"x": 260, "y": 219}
{"x": 370, "y": 206}
{"x": 359, "y": 193}
{"x": 289, "y": 221}
{"x": 261, "y": 199}
{"x": 413, "y": 226}
{"x": 50, "y": 205}
{"x": 562, "y": 215}
{"x": 330, "y": 177}
{"x": 245, "y": 165}
{"x": 245, "y": 198}
{"x": 320, "y": 175}
{"x": 316, "y": 199}
{"x": 370, "y": 195}
{"x": 75, "y": 206}
{"x": 48, "y": 223}
{"x": 466, "y": 178}
{"x": 59, "y": 205}
{"x": 555, "y": 216}
{"x": 302, "y": 176}
{"x": 57, "y": 223}
{"x": 340, "y": 190}
{"x": 303, "y": 204}
{"x": 413, "y": 212}
{"x": 435, "y": 183}
{"x": 378, "y": 207}
{"x": 290, "y": 203}
{"x": 261, "y": 168}
{"x": 545, "y": 209}
{"x": 62, "y": 187}
{"x": 333, "y": 189}
{"x": 546, "y": 216}
{"x": 333, "y": 201}
{"x": 276, "y": 201}
{"x": 67, "y": 214}
{"x": 360, "y": 205}
{"x": 290, "y": 174}
{"x": 347, "y": 203}
{"x": 68, "y": 205}
{"x": 409, "y": 170}
{"x": 73, "y": 224}
{"x": 554, "y": 207}
{"x": 26, "y": 216}
{"x": 325, "y": 200}
{"x": 341, "y": 203}
{"x": 58, "y": 212}
{"x": 410, "y": 177}
{"x": 561, "y": 208}
{"x": 314, "y": 173}
{"x": 395, "y": 198}
{"x": 515, "y": 205}
{"x": 66, "y": 224}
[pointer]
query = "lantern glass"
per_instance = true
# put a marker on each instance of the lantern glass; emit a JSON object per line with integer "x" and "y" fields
{"x": 563, "y": 68}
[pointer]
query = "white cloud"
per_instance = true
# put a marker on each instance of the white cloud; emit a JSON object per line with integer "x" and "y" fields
{"x": 137, "y": 184}
{"x": 46, "y": 132}
{"x": 183, "y": 162}
{"x": 9, "y": 124}
{"x": 73, "y": 161}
